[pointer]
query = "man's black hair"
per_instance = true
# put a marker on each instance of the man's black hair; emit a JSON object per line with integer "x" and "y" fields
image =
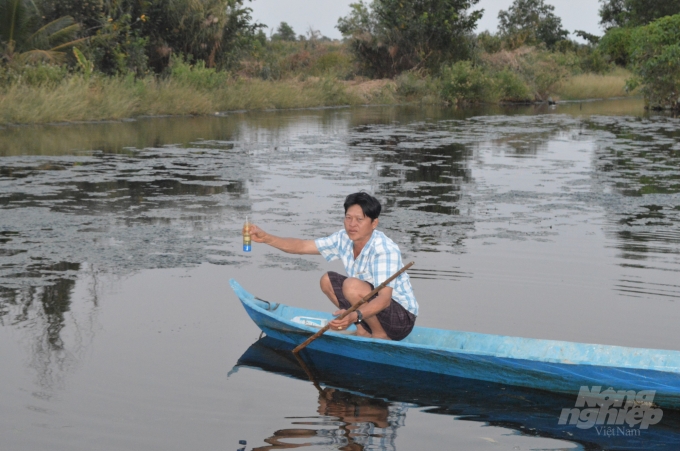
{"x": 369, "y": 204}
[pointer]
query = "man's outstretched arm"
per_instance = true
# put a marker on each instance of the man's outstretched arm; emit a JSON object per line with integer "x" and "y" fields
{"x": 289, "y": 245}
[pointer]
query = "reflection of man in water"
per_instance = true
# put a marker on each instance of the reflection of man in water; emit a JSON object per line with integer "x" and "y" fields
{"x": 361, "y": 422}
{"x": 369, "y": 258}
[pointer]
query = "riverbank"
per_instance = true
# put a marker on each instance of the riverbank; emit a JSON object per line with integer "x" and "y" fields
{"x": 191, "y": 92}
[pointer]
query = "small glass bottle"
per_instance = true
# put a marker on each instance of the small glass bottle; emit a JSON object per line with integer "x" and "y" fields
{"x": 246, "y": 236}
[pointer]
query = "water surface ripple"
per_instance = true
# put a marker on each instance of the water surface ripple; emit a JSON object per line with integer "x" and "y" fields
{"x": 117, "y": 241}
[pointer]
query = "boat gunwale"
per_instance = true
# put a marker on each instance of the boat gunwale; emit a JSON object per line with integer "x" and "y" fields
{"x": 506, "y": 353}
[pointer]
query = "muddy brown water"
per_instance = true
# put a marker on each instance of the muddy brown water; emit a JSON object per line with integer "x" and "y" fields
{"x": 118, "y": 329}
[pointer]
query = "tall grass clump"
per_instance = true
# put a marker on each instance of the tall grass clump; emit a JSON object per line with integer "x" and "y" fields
{"x": 418, "y": 86}
{"x": 197, "y": 76}
{"x": 595, "y": 86}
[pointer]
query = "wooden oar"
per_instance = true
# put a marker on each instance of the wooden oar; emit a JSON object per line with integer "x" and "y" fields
{"x": 309, "y": 373}
{"x": 352, "y": 308}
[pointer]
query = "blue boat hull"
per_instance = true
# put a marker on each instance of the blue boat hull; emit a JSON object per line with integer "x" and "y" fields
{"x": 527, "y": 411}
{"x": 555, "y": 366}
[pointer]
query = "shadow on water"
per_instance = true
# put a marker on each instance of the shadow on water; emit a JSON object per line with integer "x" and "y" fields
{"x": 362, "y": 405}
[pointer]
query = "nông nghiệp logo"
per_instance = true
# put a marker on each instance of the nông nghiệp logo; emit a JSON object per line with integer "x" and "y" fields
{"x": 614, "y": 412}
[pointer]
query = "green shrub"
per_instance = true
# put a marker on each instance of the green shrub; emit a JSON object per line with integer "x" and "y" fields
{"x": 463, "y": 82}
{"x": 511, "y": 87}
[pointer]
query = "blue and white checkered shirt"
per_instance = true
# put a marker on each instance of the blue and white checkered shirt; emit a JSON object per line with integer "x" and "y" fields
{"x": 379, "y": 259}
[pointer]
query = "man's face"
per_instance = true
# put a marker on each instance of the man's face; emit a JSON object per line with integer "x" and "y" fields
{"x": 358, "y": 226}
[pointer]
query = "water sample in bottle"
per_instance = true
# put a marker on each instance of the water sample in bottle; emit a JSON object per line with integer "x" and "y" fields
{"x": 246, "y": 236}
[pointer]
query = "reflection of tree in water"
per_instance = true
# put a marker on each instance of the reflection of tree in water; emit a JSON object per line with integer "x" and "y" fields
{"x": 638, "y": 162}
{"x": 125, "y": 207}
{"x": 411, "y": 176}
{"x": 167, "y": 186}
{"x": 641, "y": 158}
{"x": 524, "y": 144}
{"x": 426, "y": 179}
{"x": 55, "y": 336}
{"x": 347, "y": 422}
{"x": 420, "y": 177}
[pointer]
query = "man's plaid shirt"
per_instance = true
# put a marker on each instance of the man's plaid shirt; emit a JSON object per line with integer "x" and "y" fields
{"x": 379, "y": 259}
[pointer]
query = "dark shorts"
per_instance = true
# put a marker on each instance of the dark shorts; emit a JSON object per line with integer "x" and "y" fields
{"x": 395, "y": 319}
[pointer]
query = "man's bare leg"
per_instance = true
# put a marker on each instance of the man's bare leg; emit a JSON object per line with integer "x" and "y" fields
{"x": 327, "y": 288}
{"x": 354, "y": 290}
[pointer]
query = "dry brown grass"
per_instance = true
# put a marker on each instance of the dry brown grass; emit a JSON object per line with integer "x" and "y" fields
{"x": 511, "y": 59}
{"x": 593, "y": 86}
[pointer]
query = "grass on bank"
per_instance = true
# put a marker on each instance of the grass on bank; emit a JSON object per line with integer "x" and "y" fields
{"x": 78, "y": 99}
{"x": 595, "y": 86}
{"x": 40, "y": 94}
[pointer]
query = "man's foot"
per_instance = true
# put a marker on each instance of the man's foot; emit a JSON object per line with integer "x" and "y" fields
{"x": 361, "y": 332}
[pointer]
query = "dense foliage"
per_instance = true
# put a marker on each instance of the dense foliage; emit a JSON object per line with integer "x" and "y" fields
{"x": 391, "y": 36}
{"x": 655, "y": 54}
{"x": 633, "y": 13}
{"x": 129, "y": 57}
{"x": 139, "y": 35}
{"x": 25, "y": 37}
{"x": 615, "y": 44}
{"x": 531, "y": 22}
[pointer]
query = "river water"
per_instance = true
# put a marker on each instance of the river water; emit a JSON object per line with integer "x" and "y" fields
{"x": 118, "y": 329}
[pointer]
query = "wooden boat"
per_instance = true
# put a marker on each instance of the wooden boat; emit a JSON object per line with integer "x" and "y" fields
{"x": 556, "y": 366}
{"x": 527, "y": 411}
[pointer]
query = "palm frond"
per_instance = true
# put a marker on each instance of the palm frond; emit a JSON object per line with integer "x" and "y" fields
{"x": 66, "y": 45}
{"x": 64, "y": 35}
{"x": 44, "y": 56}
{"x": 56, "y": 26}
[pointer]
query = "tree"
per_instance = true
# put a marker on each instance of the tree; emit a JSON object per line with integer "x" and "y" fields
{"x": 531, "y": 22}
{"x": 391, "y": 36}
{"x": 24, "y": 38}
{"x": 655, "y": 54}
{"x": 284, "y": 33}
{"x": 634, "y": 13}
{"x": 615, "y": 44}
{"x": 591, "y": 38}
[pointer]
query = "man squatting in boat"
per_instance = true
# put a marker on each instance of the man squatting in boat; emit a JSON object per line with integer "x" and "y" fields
{"x": 370, "y": 258}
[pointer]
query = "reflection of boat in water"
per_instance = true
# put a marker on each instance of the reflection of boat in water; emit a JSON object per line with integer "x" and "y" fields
{"x": 345, "y": 421}
{"x": 351, "y": 385}
{"x": 556, "y": 366}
